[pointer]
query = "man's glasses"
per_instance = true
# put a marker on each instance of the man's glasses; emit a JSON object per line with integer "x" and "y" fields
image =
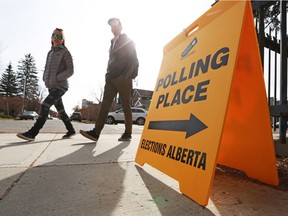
{"x": 60, "y": 37}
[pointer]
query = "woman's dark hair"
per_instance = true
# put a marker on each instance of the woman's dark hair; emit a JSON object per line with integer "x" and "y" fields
{"x": 61, "y": 30}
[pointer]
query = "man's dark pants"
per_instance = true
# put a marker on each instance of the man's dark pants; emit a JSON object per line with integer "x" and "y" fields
{"x": 120, "y": 85}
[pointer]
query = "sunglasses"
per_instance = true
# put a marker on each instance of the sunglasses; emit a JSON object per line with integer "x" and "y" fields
{"x": 60, "y": 37}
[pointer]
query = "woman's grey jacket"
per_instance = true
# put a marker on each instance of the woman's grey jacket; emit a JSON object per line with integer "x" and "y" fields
{"x": 58, "y": 68}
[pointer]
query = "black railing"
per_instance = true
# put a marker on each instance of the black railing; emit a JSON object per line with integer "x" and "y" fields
{"x": 274, "y": 68}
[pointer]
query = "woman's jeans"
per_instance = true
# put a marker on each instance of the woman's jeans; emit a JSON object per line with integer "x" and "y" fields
{"x": 54, "y": 98}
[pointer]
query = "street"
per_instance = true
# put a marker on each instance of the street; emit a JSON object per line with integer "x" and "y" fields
{"x": 57, "y": 126}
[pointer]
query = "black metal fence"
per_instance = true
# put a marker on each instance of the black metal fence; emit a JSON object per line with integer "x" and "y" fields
{"x": 273, "y": 50}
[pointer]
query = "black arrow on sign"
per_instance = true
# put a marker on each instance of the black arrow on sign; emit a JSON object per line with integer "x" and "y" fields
{"x": 191, "y": 126}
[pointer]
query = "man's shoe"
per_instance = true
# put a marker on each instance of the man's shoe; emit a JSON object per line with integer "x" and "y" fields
{"x": 125, "y": 137}
{"x": 90, "y": 135}
{"x": 69, "y": 134}
{"x": 26, "y": 136}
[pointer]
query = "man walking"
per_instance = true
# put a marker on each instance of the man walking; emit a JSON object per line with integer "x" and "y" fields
{"x": 121, "y": 70}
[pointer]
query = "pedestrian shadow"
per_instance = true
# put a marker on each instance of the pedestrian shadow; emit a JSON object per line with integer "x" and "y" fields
{"x": 87, "y": 183}
{"x": 67, "y": 187}
{"x": 21, "y": 143}
{"x": 15, "y": 144}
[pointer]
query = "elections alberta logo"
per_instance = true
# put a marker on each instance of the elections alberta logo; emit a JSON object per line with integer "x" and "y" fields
{"x": 189, "y": 47}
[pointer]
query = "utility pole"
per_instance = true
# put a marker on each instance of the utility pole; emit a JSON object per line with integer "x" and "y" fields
{"x": 24, "y": 92}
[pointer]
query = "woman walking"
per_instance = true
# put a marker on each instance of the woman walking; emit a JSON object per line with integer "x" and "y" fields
{"x": 58, "y": 68}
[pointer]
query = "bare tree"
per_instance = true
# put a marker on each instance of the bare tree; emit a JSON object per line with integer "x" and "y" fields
{"x": 76, "y": 108}
{"x": 97, "y": 97}
{"x": 271, "y": 13}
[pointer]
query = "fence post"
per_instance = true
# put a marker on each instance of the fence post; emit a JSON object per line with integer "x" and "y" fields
{"x": 283, "y": 72}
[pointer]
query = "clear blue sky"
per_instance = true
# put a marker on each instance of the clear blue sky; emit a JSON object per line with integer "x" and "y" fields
{"x": 26, "y": 27}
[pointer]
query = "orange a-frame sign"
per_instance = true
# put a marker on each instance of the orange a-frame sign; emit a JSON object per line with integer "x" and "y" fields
{"x": 209, "y": 104}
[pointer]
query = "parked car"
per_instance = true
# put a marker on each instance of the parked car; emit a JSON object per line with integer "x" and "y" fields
{"x": 76, "y": 116}
{"x": 138, "y": 116}
{"x": 28, "y": 115}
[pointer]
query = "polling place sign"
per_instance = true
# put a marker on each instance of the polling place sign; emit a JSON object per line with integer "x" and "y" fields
{"x": 209, "y": 104}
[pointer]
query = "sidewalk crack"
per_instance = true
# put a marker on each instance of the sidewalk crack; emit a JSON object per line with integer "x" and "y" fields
{"x": 7, "y": 191}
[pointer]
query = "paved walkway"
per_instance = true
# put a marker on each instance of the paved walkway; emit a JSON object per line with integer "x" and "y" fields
{"x": 51, "y": 176}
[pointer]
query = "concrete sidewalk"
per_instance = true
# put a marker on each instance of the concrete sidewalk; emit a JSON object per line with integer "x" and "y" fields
{"x": 51, "y": 176}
